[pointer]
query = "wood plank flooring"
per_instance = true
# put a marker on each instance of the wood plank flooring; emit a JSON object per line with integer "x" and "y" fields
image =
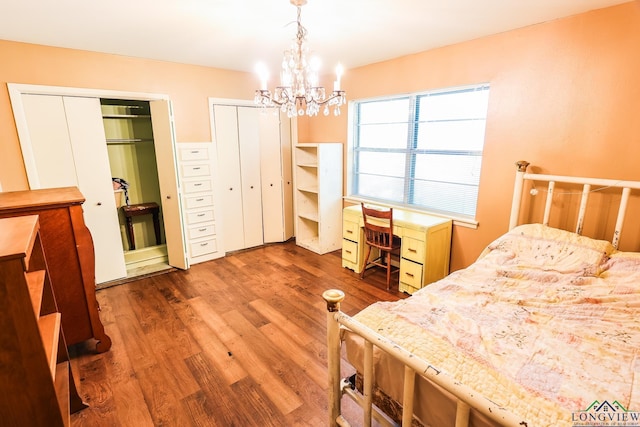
{"x": 239, "y": 341}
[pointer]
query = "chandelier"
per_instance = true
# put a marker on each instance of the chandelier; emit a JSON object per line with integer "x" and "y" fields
{"x": 299, "y": 92}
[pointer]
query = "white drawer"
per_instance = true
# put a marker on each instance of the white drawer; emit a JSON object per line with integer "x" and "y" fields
{"x": 411, "y": 273}
{"x": 202, "y": 231}
{"x": 199, "y": 201}
{"x": 203, "y": 247}
{"x": 197, "y": 217}
{"x": 197, "y": 186}
{"x": 189, "y": 171}
{"x": 194, "y": 153}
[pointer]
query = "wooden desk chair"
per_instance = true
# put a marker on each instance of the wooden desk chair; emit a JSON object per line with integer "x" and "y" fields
{"x": 378, "y": 233}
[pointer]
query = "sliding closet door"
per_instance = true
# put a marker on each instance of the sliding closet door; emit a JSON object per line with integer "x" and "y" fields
{"x": 272, "y": 177}
{"x": 249, "y": 142}
{"x": 226, "y": 140}
{"x": 50, "y": 148}
{"x": 163, "y": 138}
{"x": 68, "y": 144}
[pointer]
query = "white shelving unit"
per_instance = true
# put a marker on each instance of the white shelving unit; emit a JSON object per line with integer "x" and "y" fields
{"x": 318, "y": 196}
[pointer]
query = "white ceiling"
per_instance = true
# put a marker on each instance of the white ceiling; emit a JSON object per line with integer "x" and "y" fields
{"x": 236, "y": 34}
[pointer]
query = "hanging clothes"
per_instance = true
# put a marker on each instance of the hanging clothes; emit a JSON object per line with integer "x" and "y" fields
{"x": 121, "y": 184}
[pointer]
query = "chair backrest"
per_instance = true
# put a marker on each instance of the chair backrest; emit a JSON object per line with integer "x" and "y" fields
{"x": 378, "y": 227}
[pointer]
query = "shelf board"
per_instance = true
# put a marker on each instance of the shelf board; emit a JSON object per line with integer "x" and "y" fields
{"x": 313, "y": 190}
{"x": 307, "y": 165}
{"x": 35, "y": 283}
{"x": 309, "y": 217}
{"x": 126, "y": 116}
{"x": 127, "y": 140}
{"x": 49, "y": 326}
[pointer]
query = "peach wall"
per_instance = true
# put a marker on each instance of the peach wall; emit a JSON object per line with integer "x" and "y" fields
{"x": 188, "y": 86}
{"x": 565, "y": 95}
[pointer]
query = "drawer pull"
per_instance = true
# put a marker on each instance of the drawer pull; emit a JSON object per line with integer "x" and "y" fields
{"x": 202, "y": 229}
{"x": 204, "y": 244}
{"x": 197, "y": 184}
{"x": 195, "y": 151}
{"x": 196, "y": 168}
{"x": 350, "y": 231}
{"x": 409, "y": 274}
{"x": 412, "y": 250}
{"x": 200, "y": 214}
{"x": 199, "y": 200}
{"x": 347, "y": 251}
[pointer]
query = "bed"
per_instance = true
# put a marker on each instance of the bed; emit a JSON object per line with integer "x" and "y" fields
{"x": 542, "y": 330}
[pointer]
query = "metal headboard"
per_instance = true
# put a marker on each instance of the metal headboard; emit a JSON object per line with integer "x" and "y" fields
{"x": 522, "y": 175}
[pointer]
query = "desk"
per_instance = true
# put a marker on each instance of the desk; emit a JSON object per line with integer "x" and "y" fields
{"x": 425, "y": 250}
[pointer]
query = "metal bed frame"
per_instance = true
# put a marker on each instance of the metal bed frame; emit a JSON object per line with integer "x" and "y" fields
{"x": 466, "y": 398}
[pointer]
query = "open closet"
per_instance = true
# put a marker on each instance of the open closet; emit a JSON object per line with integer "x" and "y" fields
{"x": 105, "y": 143}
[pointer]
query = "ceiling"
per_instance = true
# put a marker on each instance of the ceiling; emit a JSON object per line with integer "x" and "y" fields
{"x": 236, "y": 34}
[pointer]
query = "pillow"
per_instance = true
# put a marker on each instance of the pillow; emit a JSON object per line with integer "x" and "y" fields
{"x": 547, "y": 248}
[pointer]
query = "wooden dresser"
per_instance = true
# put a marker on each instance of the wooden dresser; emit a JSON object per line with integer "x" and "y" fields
{"x": 70, "y": 257}
{"x": 36, "y": 380}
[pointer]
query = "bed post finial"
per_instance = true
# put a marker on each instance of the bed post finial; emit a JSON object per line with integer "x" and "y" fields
{"x": 333, "y": 297}
{"x": 517, "y": 192}
{"x": 522, "y": 165}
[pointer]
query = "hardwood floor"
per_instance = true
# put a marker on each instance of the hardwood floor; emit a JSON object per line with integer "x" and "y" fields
{"x": 238, "y": 341}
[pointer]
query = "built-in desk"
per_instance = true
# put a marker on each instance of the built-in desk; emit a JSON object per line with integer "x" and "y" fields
{"x": 425, "y": 251}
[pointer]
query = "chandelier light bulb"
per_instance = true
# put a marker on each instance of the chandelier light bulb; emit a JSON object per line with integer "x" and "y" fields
{"x": 263, "y": 75}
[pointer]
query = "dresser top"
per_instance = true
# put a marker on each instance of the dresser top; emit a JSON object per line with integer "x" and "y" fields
{"x": 44, "y": 198}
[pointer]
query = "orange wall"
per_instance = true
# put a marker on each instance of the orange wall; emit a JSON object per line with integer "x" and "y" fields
{"x": 565, "y": 95}
{"x": 188, "y": 87}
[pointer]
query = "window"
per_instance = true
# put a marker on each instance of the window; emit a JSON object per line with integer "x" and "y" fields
{"x": 422, "y": 150}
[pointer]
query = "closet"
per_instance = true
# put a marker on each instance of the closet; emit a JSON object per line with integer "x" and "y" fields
{"x": 254, "y": 157}
{"x": 85, "y": 138}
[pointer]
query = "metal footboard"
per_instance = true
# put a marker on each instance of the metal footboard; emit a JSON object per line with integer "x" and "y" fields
{"x": 466, "y": 398}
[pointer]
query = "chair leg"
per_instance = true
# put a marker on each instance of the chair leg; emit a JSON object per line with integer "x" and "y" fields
{"x": 388, "y": 256}
{"x": 366, "y": 261}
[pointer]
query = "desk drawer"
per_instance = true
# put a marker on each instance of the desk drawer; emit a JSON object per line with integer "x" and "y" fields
{"x": 204, "y": 247}
{"x": 202, "y": 216}
{"x": 411, "y": 273}
{"x": 350, "y": 230}
{"x": 413, "y": 249}
{"x": 349, "y": 251}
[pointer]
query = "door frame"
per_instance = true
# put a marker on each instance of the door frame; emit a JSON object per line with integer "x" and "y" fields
{"x": 16, "y": 90}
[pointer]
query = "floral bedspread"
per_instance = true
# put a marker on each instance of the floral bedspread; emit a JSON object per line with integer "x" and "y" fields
{"x": 545, "y": 323}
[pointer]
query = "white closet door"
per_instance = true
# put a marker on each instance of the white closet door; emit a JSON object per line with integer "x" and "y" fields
{"x": 249, "y": 141}
{"x": 226, "y": 141}
{"x": 88, "y": 142}
{"x": 68, "y": 145}
{"x": 49, "y": 144}
{"x": 271, "y": 169}
{"x": 163, "y": 139}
